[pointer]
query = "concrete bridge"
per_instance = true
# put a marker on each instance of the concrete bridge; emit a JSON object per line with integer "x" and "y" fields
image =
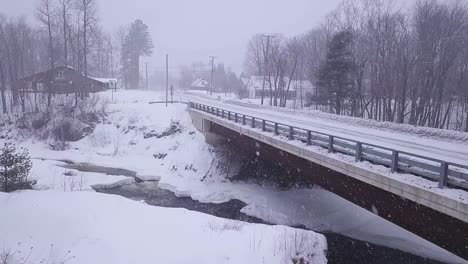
{"x": 425, "y": 195}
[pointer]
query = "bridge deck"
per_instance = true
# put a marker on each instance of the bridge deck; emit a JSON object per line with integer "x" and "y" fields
{"x": 448, "y": 151}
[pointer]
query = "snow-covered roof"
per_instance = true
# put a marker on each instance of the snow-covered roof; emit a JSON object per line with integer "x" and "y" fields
{"x": 304, "y": 84}
{"x": 256, "y": 82}
{"x": 200, "y": 83}
{"x": 105, "y": 80}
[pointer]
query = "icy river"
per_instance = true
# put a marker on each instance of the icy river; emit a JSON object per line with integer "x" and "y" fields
{"x": 352, "y": 237}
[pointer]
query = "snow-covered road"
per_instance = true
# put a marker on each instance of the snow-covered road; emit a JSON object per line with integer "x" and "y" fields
{"x": 456, "y": 152}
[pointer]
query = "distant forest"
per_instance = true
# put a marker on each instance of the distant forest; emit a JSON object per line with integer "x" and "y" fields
{"x": 373, "y": 59}
{"x": 68, "y": 33}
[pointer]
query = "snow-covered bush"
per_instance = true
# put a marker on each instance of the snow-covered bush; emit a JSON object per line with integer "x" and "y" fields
{"x": 63, "y": 121}
{"x": 106, "y": 136}
{"x": 14, "y": 168}
{"x": 222, "y": 225}
{"x": 101, "y": 136}
{"x": 26, "y": 255}
{"x": 68, "y": 129}
{"x": 93, "y": 108}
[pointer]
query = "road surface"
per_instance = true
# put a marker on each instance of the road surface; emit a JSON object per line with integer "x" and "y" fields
{"x": 447, "y": 151}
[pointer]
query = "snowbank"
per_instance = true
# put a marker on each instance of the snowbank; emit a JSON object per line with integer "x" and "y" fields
{"x": 88, "y": 227}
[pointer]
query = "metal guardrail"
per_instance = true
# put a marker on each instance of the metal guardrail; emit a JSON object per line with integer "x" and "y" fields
{"x": 446, "y": 173}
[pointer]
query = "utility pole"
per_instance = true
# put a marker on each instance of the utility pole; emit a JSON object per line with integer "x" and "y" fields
{"x": 265, "y": 57}
{"x": 147, "y": 76}
{"x": 167, "y": 76}
{"x": 212, "y": 70}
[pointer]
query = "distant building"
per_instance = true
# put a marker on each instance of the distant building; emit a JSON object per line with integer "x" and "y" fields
{"x": 61, "y": 80}
{"x": 200, "y": 84}
{"x": 111, "y": 83}
{"x": 303, "y": 87}
{"x": 254, "y": 85}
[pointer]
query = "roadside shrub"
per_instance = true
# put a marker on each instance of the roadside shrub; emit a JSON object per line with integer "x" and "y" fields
{"x": 67, "y": 130}
{"x": 40, "y": 120}
{"x": 14, "y": 168}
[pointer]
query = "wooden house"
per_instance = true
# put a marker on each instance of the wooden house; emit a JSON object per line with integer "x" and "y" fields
{"x": 60, "y": 80}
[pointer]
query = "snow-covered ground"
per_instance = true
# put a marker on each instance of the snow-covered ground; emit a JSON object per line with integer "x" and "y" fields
{"x": 87, "y": 227}
{"x": 179, "y": 161}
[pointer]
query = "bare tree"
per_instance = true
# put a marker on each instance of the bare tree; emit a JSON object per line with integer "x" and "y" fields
{"x": 2, "y": 67}
{"x": 87, "y": 8}
{"x": 64, "y": 10}
{"x": 45, "y": 14}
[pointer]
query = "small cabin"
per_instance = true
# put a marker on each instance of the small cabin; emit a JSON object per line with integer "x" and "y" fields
{"x": 60, "y": 80}
{"x": 200, "y": 84}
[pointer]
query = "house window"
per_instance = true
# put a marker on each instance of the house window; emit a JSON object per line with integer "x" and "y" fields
{"x": 40, "y": 87}
{"x": 60, "y": 75}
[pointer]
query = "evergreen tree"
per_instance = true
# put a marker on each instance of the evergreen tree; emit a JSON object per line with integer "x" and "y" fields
{"x": 14, "y": 168}
{"x": 335, "y": 75}
{"x": 137, "y": 43}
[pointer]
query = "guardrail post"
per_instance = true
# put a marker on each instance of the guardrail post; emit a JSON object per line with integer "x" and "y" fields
{"x": 331, "y": 139}
{"x": 253, "y": 122}
{"x": 291, "y": 133}
{"x": 235, "y": 117}
{"x": 217, "y": 111}
{"x": 229, "y": 115}
{"x": 276, "y": 129}
{"x": 443, "y": 174}
{"x": 222, "y": 113}
{"x": 394, "y": 166}
{"x": 358, "y": 151}
{"x": 263, "y": 125}
{"x": 309, "y": 138}
{"x": 243, "y": 120}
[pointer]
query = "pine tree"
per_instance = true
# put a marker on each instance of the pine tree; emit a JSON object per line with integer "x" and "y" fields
{"x": 137, "y": 43}
{"x": 335, "y": 79}
{"x": 14, "y": 168}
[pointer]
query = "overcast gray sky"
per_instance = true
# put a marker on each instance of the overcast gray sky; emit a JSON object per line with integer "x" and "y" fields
{"x": 192, "y": 30}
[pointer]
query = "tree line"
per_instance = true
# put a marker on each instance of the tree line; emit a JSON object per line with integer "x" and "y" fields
{"x": 68, "y": 33}
{"x": 374, "y": 59}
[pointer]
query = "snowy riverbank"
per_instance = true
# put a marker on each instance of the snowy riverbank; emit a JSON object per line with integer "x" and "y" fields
{"x": 88, "y": 227}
